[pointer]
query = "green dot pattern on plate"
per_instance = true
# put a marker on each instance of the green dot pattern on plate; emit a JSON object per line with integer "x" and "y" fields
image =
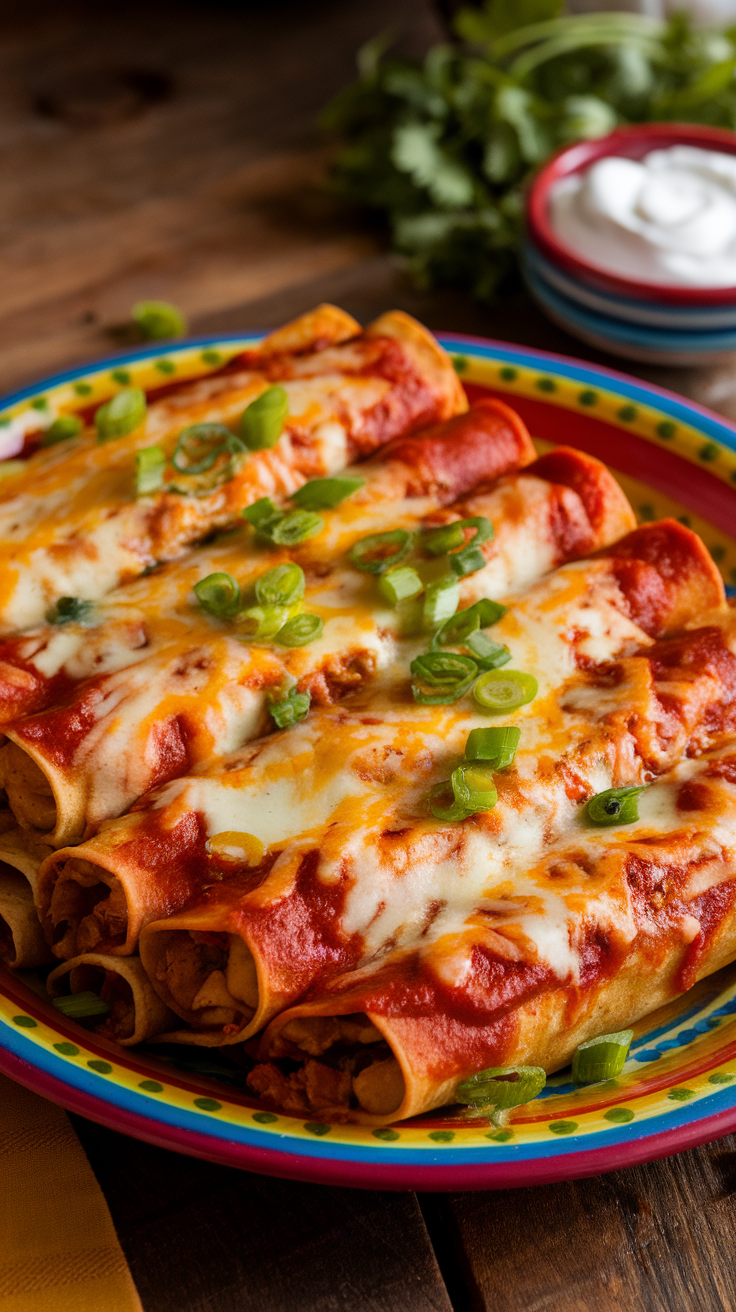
{"x": 500, "y": 1136}
{"x": 39, "y": 403}
{"x": 619, "y": 1115}
{"x": 721, "y": 1077}
{"x": 546, "y": 385}
{"x": 562, "y": 1127}
{"x": 666, "y": 429}
{"x": 713, "y": 1021}
{"x": 681, "y": 1095}
{"x": 211, "y": 357}
{"x": 121, "y": 376}
{"x": 508, "y": 373}
{"x": 67, "y": 1049}
{"x": 684, "y": 519}
{"x": 102, "y": 1067}
{"x": 708, "y": 452}
{"x": 25, "y": 1022}
{"x": 718, "y": 552}
{"x": 265, "y": 1118}
{"x": 151, "y": 1086}
{"x": 82, "y": 389}
{"x": 316, "y": 1127}
{"x": 388, "y": 1136}
{"x": 442, "y": 1136}
{"x": 646, "y": 513}
{"x": 208, "y": 1104}
{"x": 166, "y": 366}
{"x": 588, "y": 397}
{"x": 627, "y": 413}
{"x": 459, "y": 364}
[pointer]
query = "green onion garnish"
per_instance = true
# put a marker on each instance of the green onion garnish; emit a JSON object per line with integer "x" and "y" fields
{"x": 440, "y": 601}
{"x": 280, "y": 586}
{"x": 441, "y": 677}
{"x": 199, "y": 446}
{"x": 488, "y": 654}
{"x": 157, "y": 320}
{"x": 444, "y": 805}
{"x": 263, "y": 621}
{"x": 262, "y": 422}
{"x": 458, "y": 628}
{"x": 326, "y": 493}
{"x": 295, "y": 527}
{"x": 381, "y": 551}
{"x": 219, "y": 595}
{"x": 291, "y": 708}
{"x": 473, "y": 786}
{"x": 64, "y": 427}
{"x": 500, "y": 691}
{"x": 601, "y": 1058}
{"x": 70, "y": 610}
{"x": 441, "y": 540}
{"x": 497, "y": 745}
{"x": 450, "y": 536}
{"x": 399, "y": 584}
{"x": 150, "y": 464}
{"x": 79, "y": 1006}
{"x": 260, "y": 512}
{"x": 502, "y": 1086}
{"x": 121, "y": 415}
{"x": 300, "y": 630}
{"x": 615, "y": 806}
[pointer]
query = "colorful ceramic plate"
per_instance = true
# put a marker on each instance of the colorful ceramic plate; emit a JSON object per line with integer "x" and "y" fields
{"x": 679, "y": 1085}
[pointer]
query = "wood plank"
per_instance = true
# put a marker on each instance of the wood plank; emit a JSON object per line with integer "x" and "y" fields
{"x": 650, "y": 1239}
{"x": 204, "y": 1238}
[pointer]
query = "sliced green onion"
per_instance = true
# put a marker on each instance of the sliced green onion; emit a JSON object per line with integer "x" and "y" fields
{"x": 70, "y": 610}
{"x": 441, "y": 540}
{"x": 601, "y": 1058}
{"x": 488, "y": 654}
{"x": 62, "y": 429}
{"x": 264, "y": 621}
{"x": 440, "y": 678}
{"x": 440, "y": 601}
{"x": 219, "y": 595}
{"x": 400, "y": 584}
{"x": 199, "y": 446}
{"x": 473, "y": 786}
{"x": 381, "y": 551}
{"x": 300, "y": 630}
{"x": 444, "y": 805}
{"x": 295, "y": 527}
{"x": 467, "y": 561}
{"x": 121, "y": 415}
{"x": 326, "y": 493}
{"x": 79, "y": 1006}
{"x": 280, "y": 586}
{"x": 150, "y": 464}
{"x": 262, "y": 422}
{"x": 156, "y": 320}
{"x": 500, "y": 691}
{"x": 497, "y": 745}
{"x": 261, "y": 512}
{"x": 291, "y": 708}
{"x": 502, "y": 1086}
{"x": 615, "y": 806}
{"x": 458, "y": 628}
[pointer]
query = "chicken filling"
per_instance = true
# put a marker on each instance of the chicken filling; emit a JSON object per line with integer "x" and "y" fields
{"x": 208, "y": 979}
{"x": 114, "y": 989}
{"x": 87, "y": 914}
{"x": 330, "y": 1064}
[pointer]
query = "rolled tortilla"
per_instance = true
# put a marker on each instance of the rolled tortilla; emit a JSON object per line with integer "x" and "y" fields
{"x": 632, "y": 917}
{"x": 136, "y": 1011}
{"x": 22, "y": 941}
{"x": 85, "y": 531}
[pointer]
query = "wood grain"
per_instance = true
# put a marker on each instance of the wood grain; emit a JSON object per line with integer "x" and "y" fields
{"x": 204, "y": 1238}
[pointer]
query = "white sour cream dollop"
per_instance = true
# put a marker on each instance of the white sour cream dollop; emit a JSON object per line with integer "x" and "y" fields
{"x": 668, "y": 218}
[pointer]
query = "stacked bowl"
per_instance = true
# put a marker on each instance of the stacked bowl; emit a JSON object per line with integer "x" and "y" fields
{"x": 625, "y": 313}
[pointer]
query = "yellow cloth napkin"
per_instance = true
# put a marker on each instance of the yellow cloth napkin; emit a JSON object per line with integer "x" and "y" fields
{"x": 58, "y": 1247}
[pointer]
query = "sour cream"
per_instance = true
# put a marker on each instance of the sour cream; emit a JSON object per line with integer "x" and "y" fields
{"x": 668, "y": 218}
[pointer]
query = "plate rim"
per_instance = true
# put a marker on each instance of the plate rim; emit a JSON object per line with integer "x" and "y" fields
{"x": 382, "y": 1166}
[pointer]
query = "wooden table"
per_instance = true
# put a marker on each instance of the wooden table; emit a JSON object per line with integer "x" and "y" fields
{"x": 170, "y": 150}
